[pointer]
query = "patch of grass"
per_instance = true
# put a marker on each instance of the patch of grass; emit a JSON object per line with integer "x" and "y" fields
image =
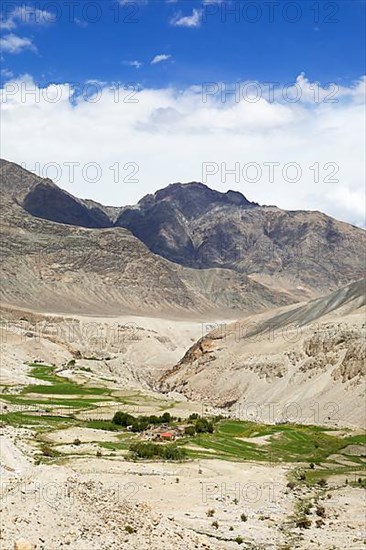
{"x": 19, "y": 419}
{"x": 58, "y": 384}
{"x": 103, "y": 425}
{"x": 115, "y": 445}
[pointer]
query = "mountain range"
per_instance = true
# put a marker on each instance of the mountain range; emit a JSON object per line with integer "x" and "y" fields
{"x": 186, "y": 248}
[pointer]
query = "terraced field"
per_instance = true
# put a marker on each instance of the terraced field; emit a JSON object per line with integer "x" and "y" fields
{"x": 62, "y": 404}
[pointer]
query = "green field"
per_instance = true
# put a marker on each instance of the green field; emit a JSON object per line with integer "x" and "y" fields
{"x": 304, "y": 446}
{"x": 286, "y": 443}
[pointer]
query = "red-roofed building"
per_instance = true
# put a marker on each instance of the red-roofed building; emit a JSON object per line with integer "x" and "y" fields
{"x": 166, "y": 436}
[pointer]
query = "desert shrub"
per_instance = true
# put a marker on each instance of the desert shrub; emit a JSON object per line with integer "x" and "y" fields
{"x": 239, "y": 539}
{"x": 320, "y": 511}
{"x": 291, "y": 485}
{"x": 215, "y": 524}
{"x": 305, "y": 508}
{"x": 77, "y": 441}
{"x": 99, "y": 453}
{"x": 244, "y": 517}
{"x": 319, "y": 523}
{"x": 48, "y": 451}
{"x": 322, "y": 482}
{"x": 193, "y": 416}
{"x": 303, "y": 522}
{"x": 130, "y": 529}
{"x": 362, "y": 482}
{"x": 210, "y": 513}
{"x": 312, "y": 465}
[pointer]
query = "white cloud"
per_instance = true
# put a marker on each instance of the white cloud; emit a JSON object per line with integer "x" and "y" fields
{"x": 191, "y": 21}
{"x": 170, "y": 133}
{"x": 13, "y": 44}
{"x": 159, "y": 58}
{"x": 135, "y": 63}
{"x": 6, "y": 73}
{"x": 7, "y": 24}
{"x": 27, "y": 15}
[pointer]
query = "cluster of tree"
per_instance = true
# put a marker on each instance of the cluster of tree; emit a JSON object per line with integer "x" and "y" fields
{"x": 201, "y": 425}
{"x": 140, "y": 423}
{"x": 152, "y": 450}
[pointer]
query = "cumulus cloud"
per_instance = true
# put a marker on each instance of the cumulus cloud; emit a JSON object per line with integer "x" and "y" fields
{"x": 191, "y": 21}
{"x": 304, "y": 154}
{"x": 159, "y": 58}
{"x": 14, "y": 44}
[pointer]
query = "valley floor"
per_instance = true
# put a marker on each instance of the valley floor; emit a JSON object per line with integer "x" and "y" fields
{"x": 69, "y": 479}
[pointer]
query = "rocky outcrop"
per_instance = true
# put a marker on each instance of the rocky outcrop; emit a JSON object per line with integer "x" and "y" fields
{"x": 309, "y": 358}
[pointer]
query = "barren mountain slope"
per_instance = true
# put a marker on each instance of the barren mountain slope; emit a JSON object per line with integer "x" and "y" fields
{"x": 305, "y": 254}
{"x": 198, "y": 227}
{"x": 54, "y": 267}
{"x": 306, "y": 363}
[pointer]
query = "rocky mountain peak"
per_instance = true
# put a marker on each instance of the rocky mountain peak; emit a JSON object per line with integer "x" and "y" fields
{"x": 194, "y": 198}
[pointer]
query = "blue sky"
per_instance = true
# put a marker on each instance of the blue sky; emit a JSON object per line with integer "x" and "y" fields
{"x": 326, "y": 41}
{"x": 173, "y": 130}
